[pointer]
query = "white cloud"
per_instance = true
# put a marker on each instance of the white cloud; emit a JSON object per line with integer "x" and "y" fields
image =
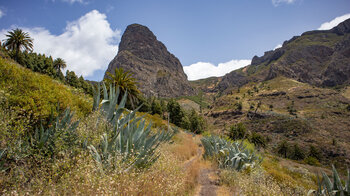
{"x": 278, "y": 46}
{"x": 204, "y": 70}
{"x": 278, "y": 2}
{"x": 334, "y": 22}
{"x": 2, "y": 13}
{"x": 87, "y": 44}
{"x": 73, "y": 1}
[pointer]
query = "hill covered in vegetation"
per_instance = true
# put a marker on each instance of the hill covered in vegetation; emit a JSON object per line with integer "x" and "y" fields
{"x": 254, "y": 135}
{"x": 319, "y": 58}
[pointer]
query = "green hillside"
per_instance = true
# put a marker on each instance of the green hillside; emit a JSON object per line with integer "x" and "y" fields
{"x": 28, "y": 98}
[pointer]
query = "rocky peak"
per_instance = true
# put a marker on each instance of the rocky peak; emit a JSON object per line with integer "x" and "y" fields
{"x": 140, "y": 41}
{"x": 268, "y": 56}
{"x": 158, "y": 71}
{"x": 342, "y": 28}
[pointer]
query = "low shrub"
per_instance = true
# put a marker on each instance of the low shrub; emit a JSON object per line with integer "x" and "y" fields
{"x": 257, "y": 139}
{"x": 237, "y": 131}
{"x": 312, "y": 161}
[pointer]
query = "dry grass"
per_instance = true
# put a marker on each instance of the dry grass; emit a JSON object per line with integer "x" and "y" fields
{"x": 346, "y": 92}
{"x": 272, "y": 178}
{"x": 255, "y": 183}
{"x": 185, "y": 147}
{"x": 78, "y": 175}
{"x": 188, "y": 104}
{"x": 192, "y": 174}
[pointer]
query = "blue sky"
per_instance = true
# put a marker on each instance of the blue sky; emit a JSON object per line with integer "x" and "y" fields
{"x": 217, "y": 36}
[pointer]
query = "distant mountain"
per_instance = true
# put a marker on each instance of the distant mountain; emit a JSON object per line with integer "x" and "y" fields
{"x": 158, "y": 72}
{"x": 320, "y": 58}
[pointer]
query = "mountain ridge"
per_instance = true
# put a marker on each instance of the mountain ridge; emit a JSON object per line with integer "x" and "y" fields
{"x": 317, "y": 57}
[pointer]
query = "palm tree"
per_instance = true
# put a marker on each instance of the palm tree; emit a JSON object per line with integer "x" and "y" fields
{"x": 59, "y": 64}
{"x": 125, "y": 81}
{"x": 17, "y": 41}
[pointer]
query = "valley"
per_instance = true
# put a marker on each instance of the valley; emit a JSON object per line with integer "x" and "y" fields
{"x": 270, "y": 128}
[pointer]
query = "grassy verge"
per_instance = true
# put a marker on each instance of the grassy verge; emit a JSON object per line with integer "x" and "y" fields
{"x": 76, "y": 172}
{"x": 272, "y": 178}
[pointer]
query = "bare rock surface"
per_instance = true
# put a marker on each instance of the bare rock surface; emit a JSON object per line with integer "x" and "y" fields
{"x": 159, "y": 73}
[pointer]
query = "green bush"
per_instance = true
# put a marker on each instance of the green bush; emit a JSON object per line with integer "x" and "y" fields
{"x": 197, "y": 122}
{"x": 237, "y": 131}
{"x": 297, "y": 153}
{"x": 283, "y": 148}
{"x": 312, "y": 161}
{"x": 257, "y": 139}
{"x": 314, "y": 152}
{"x": 34, "y": 96}
{"x": 156, "y": 108}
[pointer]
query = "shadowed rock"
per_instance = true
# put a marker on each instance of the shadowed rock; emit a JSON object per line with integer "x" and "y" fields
{"x": 158, "y": 72}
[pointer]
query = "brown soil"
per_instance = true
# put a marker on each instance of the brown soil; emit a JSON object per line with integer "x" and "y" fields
{"x": 208, "y": 179}
{"x": 208, "y": 182}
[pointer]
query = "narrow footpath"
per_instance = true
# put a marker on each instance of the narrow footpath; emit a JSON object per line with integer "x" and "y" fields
{"x": 208, "y": 179}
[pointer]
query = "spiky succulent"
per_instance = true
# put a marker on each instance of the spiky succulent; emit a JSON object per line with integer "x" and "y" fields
{"x": 329, "y": 188}
{"x": 60, "y": 135}
{"x": 129, "y": 139}
{"x": 228, "y": 154}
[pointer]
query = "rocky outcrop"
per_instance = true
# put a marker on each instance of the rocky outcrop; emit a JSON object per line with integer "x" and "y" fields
{"x": 320, "y": 58}
{"x": 268, "y": 57}
{"x": 158, "y": 72}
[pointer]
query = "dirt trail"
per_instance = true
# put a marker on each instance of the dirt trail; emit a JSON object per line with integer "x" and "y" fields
{"x": 208, "y": 179}
{"x": 208, "y": 182}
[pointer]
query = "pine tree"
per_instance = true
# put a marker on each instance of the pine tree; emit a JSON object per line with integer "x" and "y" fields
{"x": 175, "y": 112}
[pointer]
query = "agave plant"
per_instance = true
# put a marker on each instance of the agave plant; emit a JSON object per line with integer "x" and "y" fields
{"x": 329, "y": 188}
{"x": 229, "y": 155}
{"x": 62, "y": 131}
{"x": 128, "y": 140}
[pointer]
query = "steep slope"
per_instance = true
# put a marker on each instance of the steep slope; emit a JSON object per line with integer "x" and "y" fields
{"x": 319, "y": 58}
{"x": 30, "y": 97}
{"x": 158, "y": 71}
{"x": 320, "y": 117}
{"x": 207, "y": 84}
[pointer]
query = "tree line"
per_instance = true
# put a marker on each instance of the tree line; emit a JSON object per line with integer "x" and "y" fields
{"x": 19, "y": 46}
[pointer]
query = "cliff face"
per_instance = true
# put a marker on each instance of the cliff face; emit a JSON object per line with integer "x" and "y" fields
{"x": 320, "y": 58}
{"x": 159, "y": 73}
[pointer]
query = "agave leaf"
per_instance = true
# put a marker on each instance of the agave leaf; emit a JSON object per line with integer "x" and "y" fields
{"x": 336, "y": 180}
{"x": 327, "y": 182}
{"x": 96, "y": 97}
{"x": 129, "y": 136}
{"x": 105, "y": 92}
{"x": 95, "y": 154}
